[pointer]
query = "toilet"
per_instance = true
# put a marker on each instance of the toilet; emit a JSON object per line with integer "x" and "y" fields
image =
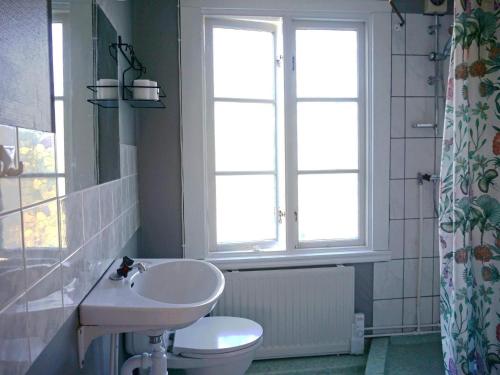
{"x": 220, "y": 345}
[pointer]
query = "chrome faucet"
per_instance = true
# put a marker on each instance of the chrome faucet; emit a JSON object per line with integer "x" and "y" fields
{"x": 127, "y": 266}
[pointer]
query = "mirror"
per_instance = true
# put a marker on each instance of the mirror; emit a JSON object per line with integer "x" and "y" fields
{"x": 87, "y": 136}
{"x": 107, "y": 118}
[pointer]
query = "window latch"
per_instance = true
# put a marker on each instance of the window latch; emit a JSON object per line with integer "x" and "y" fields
{"x": 279, "y": 59}
{"x": 281, "y": 215}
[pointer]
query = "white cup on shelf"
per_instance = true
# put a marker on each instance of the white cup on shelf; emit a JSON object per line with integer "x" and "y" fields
{"x": 143, "y": 91}
{"x": 154, "y": 91}
{"x": 107, "y": 89}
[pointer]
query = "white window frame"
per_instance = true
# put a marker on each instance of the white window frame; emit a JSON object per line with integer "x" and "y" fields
{"x": 293, "y": 171}
{"x": 197, "y": 210}
{"x": 210, "y": 23}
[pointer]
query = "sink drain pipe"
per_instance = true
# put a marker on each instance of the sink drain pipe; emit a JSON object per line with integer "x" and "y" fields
{"x": 142, "y": 361}
{"x": 156, "y": 360}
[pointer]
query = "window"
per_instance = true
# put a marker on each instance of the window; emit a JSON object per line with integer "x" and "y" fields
{"x": 59, "y": 28}
{"x": 280, "y": 157}
{"x": 330, "y": 128}
{"x": 242, "y": 113}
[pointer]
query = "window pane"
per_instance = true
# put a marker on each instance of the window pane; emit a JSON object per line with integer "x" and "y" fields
{"x": 57, "y": 58}
{"x": 327, "y": 63}
{"x": 59, "y": 120}
{"x": 328, "y": 207}
{"x": 327, "y": 135}
{"x": 244, "y": 136}
{"x": 246, "y": 208}
{"x": 243, "y": 63}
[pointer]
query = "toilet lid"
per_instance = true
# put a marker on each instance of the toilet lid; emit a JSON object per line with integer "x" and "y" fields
{"x": 215, "y": 335}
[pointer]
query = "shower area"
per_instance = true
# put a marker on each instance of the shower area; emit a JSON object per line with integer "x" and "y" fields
{"x": 410, "y": 283}
{"x": 436, "y": 303}
{"x": 406, "y": 309}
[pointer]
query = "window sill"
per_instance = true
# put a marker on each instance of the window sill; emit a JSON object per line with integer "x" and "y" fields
{"x": 298, "y": 260}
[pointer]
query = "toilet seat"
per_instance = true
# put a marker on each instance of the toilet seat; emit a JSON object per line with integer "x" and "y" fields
{"x": 215, "y": 336}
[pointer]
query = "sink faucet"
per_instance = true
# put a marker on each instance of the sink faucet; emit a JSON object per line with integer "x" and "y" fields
{"x": 126, "y": 266}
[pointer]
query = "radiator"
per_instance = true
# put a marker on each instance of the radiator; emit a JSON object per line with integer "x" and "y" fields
{"x": 306, "y": 311}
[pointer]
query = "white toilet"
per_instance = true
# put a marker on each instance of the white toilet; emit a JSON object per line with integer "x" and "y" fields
{"x": 219, "y": 345}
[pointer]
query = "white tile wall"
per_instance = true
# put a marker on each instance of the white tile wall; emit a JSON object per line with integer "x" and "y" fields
{"x": 45, "y": 311}
{"x": 419, "y": 156}
{"x": 71, "y": 223}
{"x": 91, "y": 213}
{"x": 397, "y": 158}
{"x": 419, "y": 111}
{"x": 412, "y": 199}
{"x": 14, "y": 341}
{"x": 398, "y": 36}
{"x": 387, "y": 313}
{"x": 55, "y": 251}
{"x": 410, "y": 311}
{"x": 418, "y": 40}
{"x": 412, "y": 151}
{"x": 411, "y": 240}
{"x": 396, "y": 238}
{"x": 410, "y": 277}
{"x": 397, "y": 117}
{"x": 388, "y": 279}
{"x": 418, "y": 70}
{"x": 398, "y": 75}
{"x": 12, "y": 270}
{"x": 397, "y": 199}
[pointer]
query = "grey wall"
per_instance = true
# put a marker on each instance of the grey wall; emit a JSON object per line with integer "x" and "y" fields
{"x": 159, "y": 156}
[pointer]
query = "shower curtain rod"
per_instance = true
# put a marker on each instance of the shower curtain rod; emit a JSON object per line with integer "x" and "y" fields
{"x": 398, "y": 13}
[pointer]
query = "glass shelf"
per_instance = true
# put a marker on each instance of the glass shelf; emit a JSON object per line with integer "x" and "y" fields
{"x": 104, "y": 103}
{"x": 144, "y": 103}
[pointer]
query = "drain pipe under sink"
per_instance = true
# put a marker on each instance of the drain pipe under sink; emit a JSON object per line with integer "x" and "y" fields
{"x": 156, "y": 360}
{"x": 142, "y": 361}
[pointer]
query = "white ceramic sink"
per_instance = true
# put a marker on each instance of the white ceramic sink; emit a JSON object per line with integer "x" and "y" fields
{"x": 171, "y": 294}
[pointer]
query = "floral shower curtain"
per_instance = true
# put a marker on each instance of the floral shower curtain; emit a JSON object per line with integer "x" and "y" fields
{"x": 469, "y": 219}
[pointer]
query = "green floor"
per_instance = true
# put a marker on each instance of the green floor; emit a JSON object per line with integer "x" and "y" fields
{"x": 341, "y": 365}
{"x": 408, "y": 355}
{"x": 415, "y": 356}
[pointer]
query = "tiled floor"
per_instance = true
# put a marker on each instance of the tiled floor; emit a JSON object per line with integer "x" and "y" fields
{"x": 409, "y": 355}
{"x": 334, "y": 365}
{"x": 415, "y": 356}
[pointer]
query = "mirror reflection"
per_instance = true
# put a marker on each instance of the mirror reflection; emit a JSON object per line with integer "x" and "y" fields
{"x": 107, "y": 82}
{"x": 87, "y": 136}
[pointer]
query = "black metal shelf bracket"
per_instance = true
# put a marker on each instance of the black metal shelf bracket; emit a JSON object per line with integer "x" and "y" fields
{"x": 128, "y": 53}
{"x": 134, "y": 65}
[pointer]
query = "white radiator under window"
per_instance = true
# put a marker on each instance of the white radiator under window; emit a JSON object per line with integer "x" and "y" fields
{"x": 306, "y": 311}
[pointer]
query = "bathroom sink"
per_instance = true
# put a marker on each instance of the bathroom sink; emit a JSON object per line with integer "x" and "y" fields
{"x": 171, "y": 294}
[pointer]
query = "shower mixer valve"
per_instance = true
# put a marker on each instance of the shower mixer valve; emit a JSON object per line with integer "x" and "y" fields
{"x": 432, "y": 80}
{"x": 437, "y": 56}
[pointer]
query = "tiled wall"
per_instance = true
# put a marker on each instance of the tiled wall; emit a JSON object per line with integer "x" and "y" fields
{"x": 53, "y": 249}
{"x": 412, "y": 151}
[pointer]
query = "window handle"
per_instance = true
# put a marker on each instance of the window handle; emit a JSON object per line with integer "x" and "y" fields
{"x": 281, "y": 215}
{"x": 279, "y": 59}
